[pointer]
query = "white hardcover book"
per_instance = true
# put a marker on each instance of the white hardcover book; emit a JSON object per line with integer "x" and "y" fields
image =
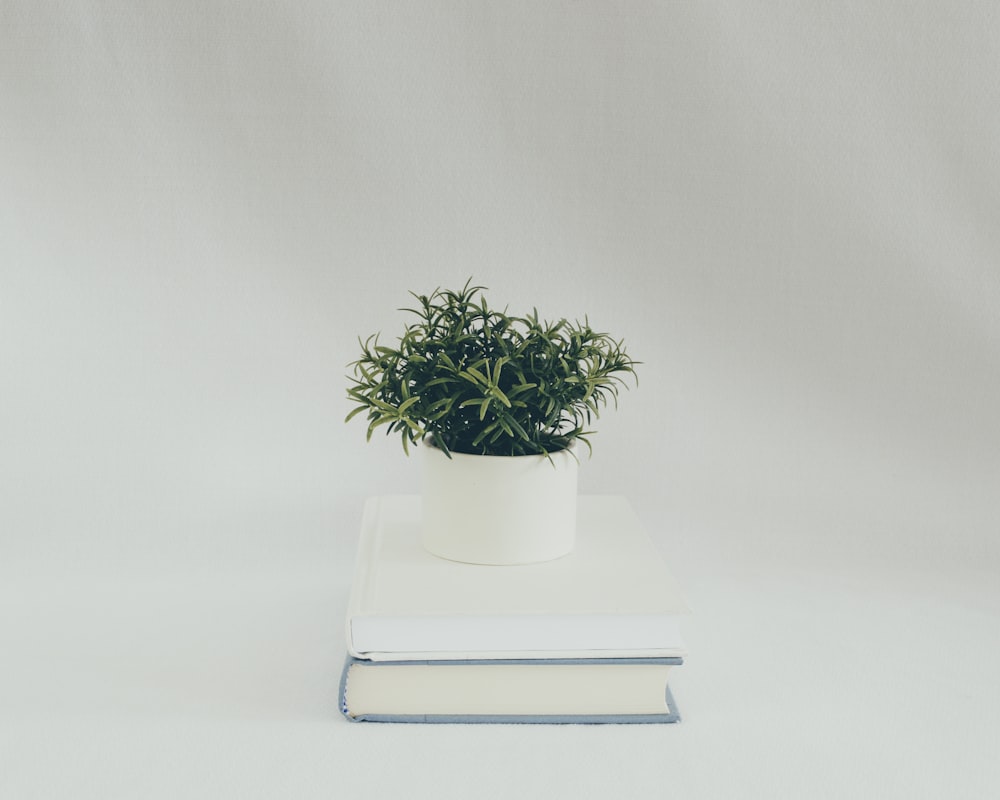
{"x": 612, "y": 597}
{"x": 496, "y": 690}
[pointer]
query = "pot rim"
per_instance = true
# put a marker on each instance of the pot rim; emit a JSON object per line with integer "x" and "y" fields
{"x": 568, "y": 449}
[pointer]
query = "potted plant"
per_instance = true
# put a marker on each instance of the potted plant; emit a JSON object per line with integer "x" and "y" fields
{"x": 499, "y": 403}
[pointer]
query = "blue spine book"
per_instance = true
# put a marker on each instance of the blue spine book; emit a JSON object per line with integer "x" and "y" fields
{"x": 535, "y": 691}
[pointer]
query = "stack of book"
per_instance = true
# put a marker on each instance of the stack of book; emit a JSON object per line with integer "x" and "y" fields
{"x": 590, "y": 637}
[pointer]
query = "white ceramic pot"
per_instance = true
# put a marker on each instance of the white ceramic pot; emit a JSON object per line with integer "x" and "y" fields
{"x": 498, "y": 509}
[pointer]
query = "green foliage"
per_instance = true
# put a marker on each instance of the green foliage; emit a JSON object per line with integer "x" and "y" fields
{"x": 474, "y": 380}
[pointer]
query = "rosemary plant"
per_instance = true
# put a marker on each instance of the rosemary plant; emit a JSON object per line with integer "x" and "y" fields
{"x": 473, "y": 380}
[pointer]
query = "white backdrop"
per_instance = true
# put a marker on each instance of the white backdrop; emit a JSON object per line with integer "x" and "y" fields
{"x": 788, "y": 210}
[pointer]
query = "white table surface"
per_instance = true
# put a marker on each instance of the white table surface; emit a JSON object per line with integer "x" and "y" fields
{"x": 822, "y": 675}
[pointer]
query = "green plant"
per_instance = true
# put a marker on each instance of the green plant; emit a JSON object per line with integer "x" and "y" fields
{"x": 474, "y": 380}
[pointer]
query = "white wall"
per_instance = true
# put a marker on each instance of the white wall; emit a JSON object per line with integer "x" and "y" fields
{"x": 788, "y": 211}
